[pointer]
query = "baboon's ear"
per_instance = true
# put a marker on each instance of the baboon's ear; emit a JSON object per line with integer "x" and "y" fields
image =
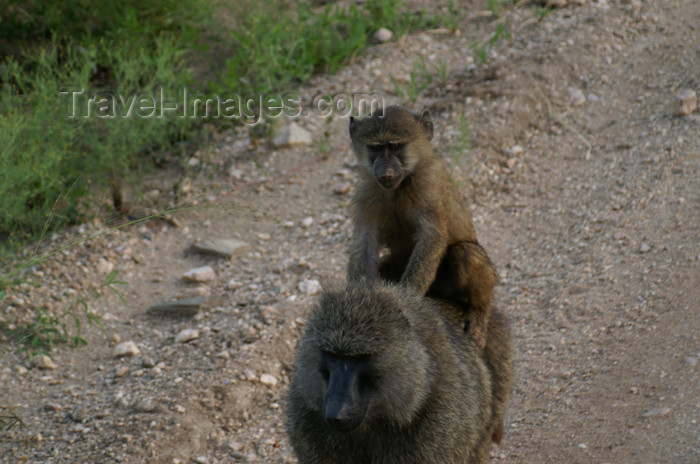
{"x": 426, "y": 121}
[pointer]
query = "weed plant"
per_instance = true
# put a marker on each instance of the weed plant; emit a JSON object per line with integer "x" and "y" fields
{"x": 278, "y": 47}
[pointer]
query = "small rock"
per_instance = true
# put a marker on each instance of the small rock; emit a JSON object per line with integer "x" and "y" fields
{"x": 149, "y": 405}
{"x": 657, "y": 412}
{"x": 307, "y": 222}
{"x": 79, "y": 413}
{"x": 21, "y": 370}
{"x": 236, "y": 445}
{"x": 219, "y": 246}
{"x": 233, "y": 284}
{"x": 310, "y": 287}
{"x": 235, "y": 173}
{"x": 511, "y": 162}
{"x": 342, "y": 188}
{"x": 345, "y": 174}
{"x": 126, "y": 349}
{"x": 293, "y": 135}
{"x": 187, "y": 307}
{"x": 199, "y": 274}
{"x": 187, "y": 335}
{"x": 644, "y": 248}
{"x": 53, "y": 407}
{"x": 269, "y": 313}
{"x": 690, "y": 362}
{"x": 121, "y": 371}
{"x": 201, "y": 460}
{"x": 223, "y": 355}
{"x": 269, "y": 380}
{"x": 148, "y": 362}
{"x": 687, "y": 101}
{"x": 185, "y": 186}
{"x": 577, "y": 97}
{"x": 264, "y": 236}
{"x": 382, "y": 35}
{"x": 104, "y": 267}
{"x": 43, "y": 362}
{"x": 512, "y": 152}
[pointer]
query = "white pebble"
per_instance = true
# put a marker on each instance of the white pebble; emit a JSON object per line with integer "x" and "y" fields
{"x": 199, "y": 274}
{"x": 268, "y": 380}
{"x": 187, "y": 335}
{"x": 43, "y": 362}
{"x": 126, "y": 349}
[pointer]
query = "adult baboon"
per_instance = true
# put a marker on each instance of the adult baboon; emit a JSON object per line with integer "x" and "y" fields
{"x": 386, "y": 376}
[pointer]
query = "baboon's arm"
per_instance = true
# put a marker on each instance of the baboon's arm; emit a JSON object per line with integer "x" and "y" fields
{"x": 425, "y": 259}
{"x": 364, "y": 254}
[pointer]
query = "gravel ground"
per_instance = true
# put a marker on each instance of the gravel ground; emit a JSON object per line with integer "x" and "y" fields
{"x": 584, "y": 183}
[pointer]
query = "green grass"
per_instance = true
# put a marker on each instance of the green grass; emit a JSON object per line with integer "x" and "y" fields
{"x": 277, "y": 48}
{"x": 49, "y": 160}
{"x": 461, "y": 147}
{"x": 419, "y": 78}
{"x": 482, "y": 49}
{"x": 49, "y": 330}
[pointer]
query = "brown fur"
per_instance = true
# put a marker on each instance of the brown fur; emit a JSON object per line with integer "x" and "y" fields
{"x": 419, "y": 215}
{"x": 432, "y": 395}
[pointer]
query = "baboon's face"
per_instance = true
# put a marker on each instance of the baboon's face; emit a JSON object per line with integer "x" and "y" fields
{"x": 388, "y": 163}
{"x": 388, "y": 143}
{"x": 360, "y": 363}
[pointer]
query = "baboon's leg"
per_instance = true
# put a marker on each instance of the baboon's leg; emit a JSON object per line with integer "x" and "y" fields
{"x": 467, "y": 277}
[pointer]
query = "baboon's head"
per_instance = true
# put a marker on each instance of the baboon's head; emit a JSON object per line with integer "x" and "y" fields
{"x": 360, "y": 361}
{"x": 390, "y": 142}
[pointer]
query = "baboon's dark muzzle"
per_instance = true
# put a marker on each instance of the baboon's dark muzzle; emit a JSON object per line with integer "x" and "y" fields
{"x": 344, "y": 407}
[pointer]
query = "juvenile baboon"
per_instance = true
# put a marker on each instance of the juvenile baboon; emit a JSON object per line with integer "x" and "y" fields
{"x": 407, "y": 202}
{"x": 386, "y": 376}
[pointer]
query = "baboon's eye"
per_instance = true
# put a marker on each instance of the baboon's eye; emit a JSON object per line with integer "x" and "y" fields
{"x": 395, "y": 146}
{"x": 374, "y": 148}
{"x": 369, "y": 380}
